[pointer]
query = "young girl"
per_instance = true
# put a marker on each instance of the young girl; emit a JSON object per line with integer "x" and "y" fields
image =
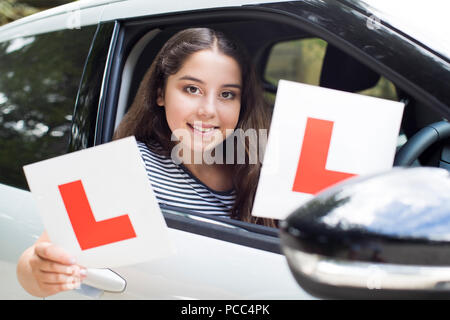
{"x": 199, "y": 77}
{"x": 199, "y": 90}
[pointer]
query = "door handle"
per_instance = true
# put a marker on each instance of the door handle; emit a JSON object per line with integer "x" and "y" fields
{"x": 104, "y": 279}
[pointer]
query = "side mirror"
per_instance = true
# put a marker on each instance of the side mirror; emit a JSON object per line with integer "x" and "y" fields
{"x": 383, "y": 236}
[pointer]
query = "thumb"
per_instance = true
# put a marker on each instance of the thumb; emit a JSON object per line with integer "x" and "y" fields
{"x": 49, "y": 251}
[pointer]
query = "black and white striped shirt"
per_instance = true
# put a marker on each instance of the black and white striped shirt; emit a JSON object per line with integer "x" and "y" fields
{"x": 175, "y": 185}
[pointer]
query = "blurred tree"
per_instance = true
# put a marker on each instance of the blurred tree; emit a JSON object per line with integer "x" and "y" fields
{"x": 39, "y": 79}
{"x": 11, "y": 10}
{"x": 44, "y": 4}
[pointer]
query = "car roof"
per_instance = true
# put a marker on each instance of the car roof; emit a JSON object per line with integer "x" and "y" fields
{"x": 132, "y": 8}
{"x": 426, "y": 23}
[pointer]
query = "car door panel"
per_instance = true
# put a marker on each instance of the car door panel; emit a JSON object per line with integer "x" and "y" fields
{"x": 20, "y": 227}
{"x": 207, "y": 268}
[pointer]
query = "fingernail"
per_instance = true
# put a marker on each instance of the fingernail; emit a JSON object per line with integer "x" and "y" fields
{"x": 76, "y": 270}
{"x": 83, "y": 272}
{"x": 70, "y": 286}
{"x": 73, "y": 260}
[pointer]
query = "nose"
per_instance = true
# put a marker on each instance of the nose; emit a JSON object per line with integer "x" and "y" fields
{"x": 207, "y": 107}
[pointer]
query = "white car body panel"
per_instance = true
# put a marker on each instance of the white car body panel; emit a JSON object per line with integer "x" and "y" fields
{"x": 20, "y": 227}
{"x": 427, "y": 21}
{"x": 200, "y": 267}
{"x": 205, "y": 268}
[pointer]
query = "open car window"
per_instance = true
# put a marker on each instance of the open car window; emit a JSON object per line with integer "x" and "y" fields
{"x": 279, "y": 51}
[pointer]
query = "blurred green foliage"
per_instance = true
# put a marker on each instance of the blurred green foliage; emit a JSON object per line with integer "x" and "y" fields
{"x": 11, "y": 10}
{"x": 298, "y": 60}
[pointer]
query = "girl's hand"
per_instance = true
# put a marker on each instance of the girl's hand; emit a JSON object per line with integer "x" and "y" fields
{"x": 54, "y": 269}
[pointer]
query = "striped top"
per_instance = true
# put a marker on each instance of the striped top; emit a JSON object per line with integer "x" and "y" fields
{"x": 174, "y": 185}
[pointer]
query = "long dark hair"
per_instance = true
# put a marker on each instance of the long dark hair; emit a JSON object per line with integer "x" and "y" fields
{"x": 147, "y": 121}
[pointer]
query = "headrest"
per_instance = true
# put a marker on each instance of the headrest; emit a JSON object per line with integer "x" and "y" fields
{"x": 341, "y": 72}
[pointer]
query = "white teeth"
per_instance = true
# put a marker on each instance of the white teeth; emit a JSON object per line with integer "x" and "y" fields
{"x": 199, "y": 128}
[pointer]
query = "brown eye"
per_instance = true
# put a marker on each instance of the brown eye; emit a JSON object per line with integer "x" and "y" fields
{"x": 192, "y": 90}
{"x": 227, "y": 95}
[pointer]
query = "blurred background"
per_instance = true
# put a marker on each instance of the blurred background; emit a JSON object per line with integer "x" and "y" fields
{"x": 11, "y": 10}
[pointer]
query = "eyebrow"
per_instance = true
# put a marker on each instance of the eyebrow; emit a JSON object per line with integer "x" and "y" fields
{"x": 237, "y": 86}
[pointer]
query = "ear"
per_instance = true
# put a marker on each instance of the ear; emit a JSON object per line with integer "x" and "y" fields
{"x": 160, "y": 98}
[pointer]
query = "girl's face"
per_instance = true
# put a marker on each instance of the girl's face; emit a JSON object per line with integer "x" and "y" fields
{"x": 202, "y": 100}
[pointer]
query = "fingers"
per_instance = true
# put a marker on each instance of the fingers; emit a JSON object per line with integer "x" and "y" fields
{"x": 52, "y": 288}
{"x": 50, "y": 258}
{"x": 51, "y": 266}
{"x": 56, "y": 282}
{"x": 51, "y": 278}
{"x": 54, "y": 269}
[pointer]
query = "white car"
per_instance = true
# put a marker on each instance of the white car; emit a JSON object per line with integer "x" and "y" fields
{"x": 68, "y": 75}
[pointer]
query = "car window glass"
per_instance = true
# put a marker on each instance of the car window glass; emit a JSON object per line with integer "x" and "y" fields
{"x": 383, "y": 89}
{"x": 302, "y": 61}
{"x": 39, "y": 79}
{"x": 296, "y": 60}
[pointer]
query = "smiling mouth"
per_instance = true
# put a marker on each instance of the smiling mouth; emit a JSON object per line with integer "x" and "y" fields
{"x": 201, "y": 129}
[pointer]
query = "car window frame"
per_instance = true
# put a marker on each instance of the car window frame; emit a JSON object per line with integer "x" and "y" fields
{"x": 122, "y": 36}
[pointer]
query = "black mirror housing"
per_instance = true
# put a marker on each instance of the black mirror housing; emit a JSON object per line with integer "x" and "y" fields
{"x": 383, "y": 236}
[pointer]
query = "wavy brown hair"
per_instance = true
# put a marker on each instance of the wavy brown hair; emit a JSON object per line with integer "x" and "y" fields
{"x": 147, "y": 121}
